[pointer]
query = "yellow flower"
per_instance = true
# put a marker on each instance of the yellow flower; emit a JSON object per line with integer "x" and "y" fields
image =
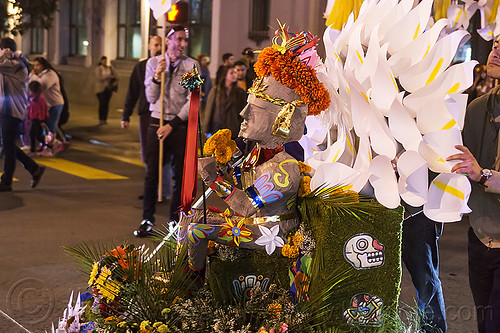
{"x": 157, "y": 324}
{"x": 297, "y": 239}
{"x": 145, "y": 325}
{"x": 163, "y": 329}
{"x": 105, "y": 272}
{"x": 274, "y": 309}
{"x": 93, "y": 274}
{"x": 122, "y": 324}
{"x": 109, "y": 289}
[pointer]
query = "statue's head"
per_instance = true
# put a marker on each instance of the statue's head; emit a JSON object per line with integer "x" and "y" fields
{"x": 285, "y": 91}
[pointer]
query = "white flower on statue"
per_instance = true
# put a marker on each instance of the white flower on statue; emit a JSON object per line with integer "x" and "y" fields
{"x": 270, "y": 238}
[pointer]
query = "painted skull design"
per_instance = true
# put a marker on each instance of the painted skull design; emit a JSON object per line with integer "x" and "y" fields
{"x": 363, "y": 251}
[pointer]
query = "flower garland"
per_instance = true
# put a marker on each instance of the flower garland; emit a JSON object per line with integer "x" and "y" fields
{"x": 221, "y": 145}
{"x": 287, "y": 69}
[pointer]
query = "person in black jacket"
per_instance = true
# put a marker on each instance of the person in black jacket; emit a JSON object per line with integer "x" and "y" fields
{"x": 136, "y": 92}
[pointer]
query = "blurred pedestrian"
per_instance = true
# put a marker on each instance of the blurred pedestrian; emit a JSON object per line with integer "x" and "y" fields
{"x": 14, "y": 79}
{"x": 482, "y": 83}
{"x": 136, "y": 93}
{"x": 204, "y": 61}
{"x": 176, "y": 102}
{"x": 248, "y": 60}
{"x": 241, "y": 71}
{"x": 44, "y": 73}
{"x": 48, "y": 77}
{"x": 227, "y": 60}
{"x": 225, "y": 102}
{"x": 106, "y": 83}
{"x": 38, "y": 113}
{"x": 480, "y": 161}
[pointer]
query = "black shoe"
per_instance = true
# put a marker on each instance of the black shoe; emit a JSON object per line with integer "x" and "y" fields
{"x": 37, "y": 175}
{"x": 144, "y": 229}
{"x": 5, "y": 188}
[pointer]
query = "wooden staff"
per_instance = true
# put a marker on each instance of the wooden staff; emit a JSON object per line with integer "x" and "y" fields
{"x": 162, "y": 112}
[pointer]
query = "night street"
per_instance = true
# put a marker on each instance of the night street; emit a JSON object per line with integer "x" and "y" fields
{"x": 37, "y": 277}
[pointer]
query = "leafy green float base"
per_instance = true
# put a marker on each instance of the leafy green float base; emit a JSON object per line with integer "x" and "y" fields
{"x": 162, "y": 292}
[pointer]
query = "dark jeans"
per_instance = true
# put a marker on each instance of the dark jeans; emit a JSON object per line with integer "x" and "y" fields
{"x": 484, "y": 280}
{"x": 173, "y": 148}
{"x": 143, "y": 133}
{"x": 36, "y": 133}
{"x": 11, "y": 152}
{"x": 104, "y": 97}
{"x": 421, "y": 257}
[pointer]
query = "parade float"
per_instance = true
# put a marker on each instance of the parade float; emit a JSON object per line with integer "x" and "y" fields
{"x": 312, "y": 246}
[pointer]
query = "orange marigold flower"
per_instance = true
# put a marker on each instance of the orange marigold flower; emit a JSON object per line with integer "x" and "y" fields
{"x": 288, "y": 70}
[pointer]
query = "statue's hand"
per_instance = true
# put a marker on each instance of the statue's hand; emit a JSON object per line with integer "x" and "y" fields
{"x": 207, "y": 167}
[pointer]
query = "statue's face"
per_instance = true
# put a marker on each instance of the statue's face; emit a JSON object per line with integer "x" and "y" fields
{"x": 259, "y": 115}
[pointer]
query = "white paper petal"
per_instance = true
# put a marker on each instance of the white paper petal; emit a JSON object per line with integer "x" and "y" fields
{"x": 384, "y": 87}
{"x": 383, "y": 180}
{"x": 369, "y": 64}
{"x": 411, "y": 25}
{"x": 448, "y": 196}
{"x": 309, "y": 146}
{"x": 360, "y": 106}
{"x": 413, "y": 178}
{"x": 335, "y": 174}
{"x": 434, "y": 64}
{"x": 437, "y": 146}
{"x": 455, "y": 79}
{"x": 416, "y": 50}
{"x": 381, "y": 138}
{"x": 486, "y": 33}
{"x": 403, "y": 126}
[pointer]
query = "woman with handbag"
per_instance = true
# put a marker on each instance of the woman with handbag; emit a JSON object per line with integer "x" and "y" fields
{"x": 106, "y": 84}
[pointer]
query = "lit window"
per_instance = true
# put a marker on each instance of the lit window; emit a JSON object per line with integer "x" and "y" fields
{"x": 78, "y": 40}
{"x": 129, "y": 29}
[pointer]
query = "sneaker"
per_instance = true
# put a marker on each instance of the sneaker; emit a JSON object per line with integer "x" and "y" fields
{"x": 56, "y": 147}
{"x": 37, "y": 175}
{"x": 5, "y": 188}
{"x": 26, "y": 149}
{"x": 144, "y": 229}
{"x": 62, "y": 147}
{"x": 46, "y": 152}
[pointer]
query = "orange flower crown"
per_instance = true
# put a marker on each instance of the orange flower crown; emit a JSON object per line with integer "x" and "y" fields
{"x": 292, "y": 64}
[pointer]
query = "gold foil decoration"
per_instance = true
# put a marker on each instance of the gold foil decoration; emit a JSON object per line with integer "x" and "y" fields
{"x": 283, "y": 121}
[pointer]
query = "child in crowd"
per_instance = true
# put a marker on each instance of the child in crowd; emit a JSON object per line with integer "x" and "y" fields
{"x": 38, "y": 112}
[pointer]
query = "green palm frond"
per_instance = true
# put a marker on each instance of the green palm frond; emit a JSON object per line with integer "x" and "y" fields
{"x": 86, "y": 254}
{"x": 343, "y": 202}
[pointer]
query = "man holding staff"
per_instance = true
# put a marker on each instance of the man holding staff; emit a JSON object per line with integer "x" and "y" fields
{"x": 172, "y": 130}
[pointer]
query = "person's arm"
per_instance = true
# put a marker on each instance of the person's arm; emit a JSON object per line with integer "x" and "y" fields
{"x": 154, "y": 67}
{"x": 133, "y": 93}
{"x": 471, "y": 168}
{"x": 269, "y": 188}
{"x": 492, "y": 184}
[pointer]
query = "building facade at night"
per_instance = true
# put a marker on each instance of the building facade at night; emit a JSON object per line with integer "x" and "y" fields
{"x": 85, "y": 30}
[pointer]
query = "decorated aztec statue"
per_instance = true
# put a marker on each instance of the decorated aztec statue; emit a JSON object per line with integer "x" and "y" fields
{"x": 279, "y": 230}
